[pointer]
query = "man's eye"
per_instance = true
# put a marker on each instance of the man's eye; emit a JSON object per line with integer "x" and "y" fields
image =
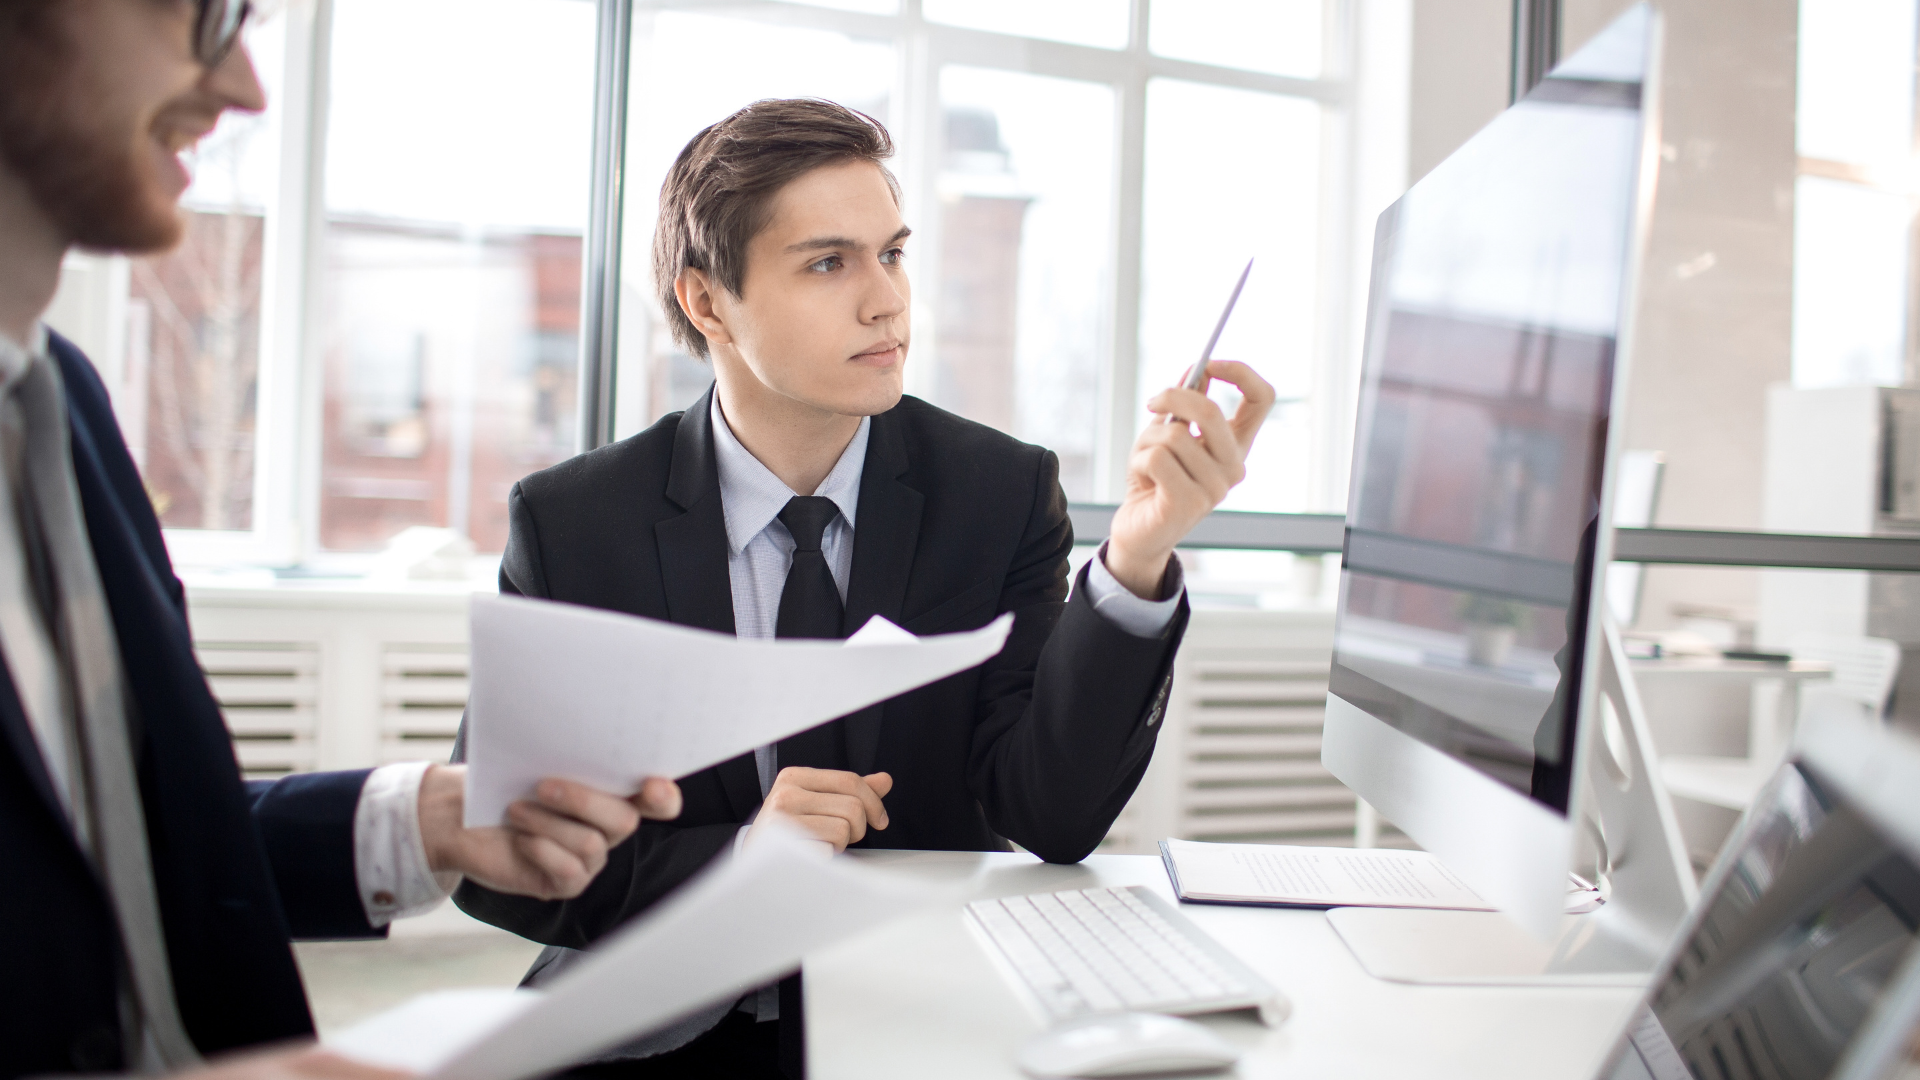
{"x": 893, "y": 256}
{"x": 826, "y": 265}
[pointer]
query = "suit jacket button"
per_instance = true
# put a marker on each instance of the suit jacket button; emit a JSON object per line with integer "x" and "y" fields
{"x": 96, "y": 1049}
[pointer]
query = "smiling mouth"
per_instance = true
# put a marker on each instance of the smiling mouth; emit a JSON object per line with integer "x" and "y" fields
{"x": 179, "y": 137}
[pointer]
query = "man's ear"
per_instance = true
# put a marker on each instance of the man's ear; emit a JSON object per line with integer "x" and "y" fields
{"x": 695, "y": 291}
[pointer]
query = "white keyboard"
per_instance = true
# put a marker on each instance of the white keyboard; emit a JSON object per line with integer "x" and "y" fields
{"x": 1116, "y": 950}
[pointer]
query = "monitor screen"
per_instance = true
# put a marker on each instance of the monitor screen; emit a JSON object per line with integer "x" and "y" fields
{"x": 1486, "y": 386}
{"x": 1798, "y": 949}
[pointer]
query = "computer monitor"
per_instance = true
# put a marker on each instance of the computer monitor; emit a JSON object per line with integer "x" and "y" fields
{"x": 1470, "y": 604}
{"x": 1799, "y": 963}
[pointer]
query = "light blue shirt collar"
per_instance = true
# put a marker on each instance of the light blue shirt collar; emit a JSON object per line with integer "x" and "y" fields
{"x": 751, "y": 496}
{"x": 15, "y": 356}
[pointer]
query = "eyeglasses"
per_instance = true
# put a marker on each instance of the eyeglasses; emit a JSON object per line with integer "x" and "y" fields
{"x": 216, "y": 27}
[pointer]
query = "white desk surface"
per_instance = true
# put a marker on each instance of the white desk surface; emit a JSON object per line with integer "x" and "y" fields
{"x": 920, "y": 998}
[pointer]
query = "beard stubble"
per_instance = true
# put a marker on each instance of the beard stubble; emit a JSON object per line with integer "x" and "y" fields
{"x": 80, "y": 162}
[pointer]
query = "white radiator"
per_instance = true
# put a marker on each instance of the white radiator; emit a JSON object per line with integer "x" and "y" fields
{"x": 335, "y": 678}
{"x": 1239, "y": 759}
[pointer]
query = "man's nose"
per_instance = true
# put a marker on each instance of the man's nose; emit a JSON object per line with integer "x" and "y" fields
{"x": 885, "y": 298}
{"x": 234, "y": 83}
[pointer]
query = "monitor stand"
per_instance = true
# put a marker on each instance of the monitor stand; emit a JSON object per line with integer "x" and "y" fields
{"x": 1635, "y": 840}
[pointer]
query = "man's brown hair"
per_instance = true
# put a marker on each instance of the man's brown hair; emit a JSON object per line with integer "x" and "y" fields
{"x": 718, "y": 195}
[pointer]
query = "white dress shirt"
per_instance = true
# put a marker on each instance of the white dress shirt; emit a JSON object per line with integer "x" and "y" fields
{"x": 390, "y": 858}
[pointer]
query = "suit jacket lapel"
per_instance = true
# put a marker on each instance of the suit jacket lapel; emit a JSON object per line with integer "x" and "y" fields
{"x": 883, "y": 544}
{"x": 693, "y": 563}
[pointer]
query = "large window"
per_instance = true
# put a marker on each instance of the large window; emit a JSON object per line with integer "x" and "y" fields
{"x": 374, "y": 321}
{"x": 1853, "y": 200}
{"x": 1084, "y": 180}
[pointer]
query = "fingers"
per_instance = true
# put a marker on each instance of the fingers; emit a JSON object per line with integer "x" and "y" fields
{"x": 839, "y": 782}
{"x": 568, "y": 852}
{"x": 610, "y": 814}
{"x": 841, "y": 819}
{"x": 583, "y": 840}
{"x": 1192, "y": 406}
{"x": 1256, "y": 398}
{"x": 1175, "y": 484}
{"x": 831, "y": 804}
{"x": 548, "y": 870}
{"x": 658, "y": 799}
{"x": 1218, "y": 439}
{"x": 1198, "y": 462}
{"x": 1215, "y": 477}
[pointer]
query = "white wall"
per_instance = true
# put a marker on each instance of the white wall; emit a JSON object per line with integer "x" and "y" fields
{"x": 1717, "y": 292}
{"x": 1459, "y": 75}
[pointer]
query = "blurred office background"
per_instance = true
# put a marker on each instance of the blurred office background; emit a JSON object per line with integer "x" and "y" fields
{"x": 374, "y": 327}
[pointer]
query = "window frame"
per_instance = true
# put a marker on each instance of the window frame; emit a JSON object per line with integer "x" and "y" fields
{"x": 1891, "y": 178}
{"x": 1362, "y": 89}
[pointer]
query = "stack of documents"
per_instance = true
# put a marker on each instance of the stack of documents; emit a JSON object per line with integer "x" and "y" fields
{"x": 741, "y": 924}
{"x": 1313, "y": 877}
{"x": 610, "y": 699}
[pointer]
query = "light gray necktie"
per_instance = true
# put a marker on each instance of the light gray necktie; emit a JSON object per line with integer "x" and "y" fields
{"x": 33, "y": 419}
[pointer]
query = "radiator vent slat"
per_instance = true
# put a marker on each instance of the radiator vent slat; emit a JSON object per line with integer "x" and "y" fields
{"x": 269, "y": 694}
{"x": 1239, "y": 760}
{"x": 423, "y": 695}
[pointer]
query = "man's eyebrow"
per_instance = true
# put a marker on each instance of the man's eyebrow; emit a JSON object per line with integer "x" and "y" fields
{"x": 822, "y": 243}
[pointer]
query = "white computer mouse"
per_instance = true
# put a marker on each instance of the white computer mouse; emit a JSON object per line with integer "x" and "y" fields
{"x": 1126, "y": 1044}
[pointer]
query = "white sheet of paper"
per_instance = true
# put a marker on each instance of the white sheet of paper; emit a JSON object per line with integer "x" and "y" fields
{"x": 610, "y": 699}
{"x": 1316, "y": 876}
{"x": 738, "y": 925}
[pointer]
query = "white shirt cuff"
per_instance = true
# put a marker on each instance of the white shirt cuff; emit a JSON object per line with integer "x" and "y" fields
{"x": 389, "y": 856}
{"x": 1141, "y": 618}
{"x": 740, "y": 838}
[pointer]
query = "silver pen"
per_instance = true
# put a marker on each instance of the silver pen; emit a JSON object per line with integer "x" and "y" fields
{"x": 1197, "y": 374}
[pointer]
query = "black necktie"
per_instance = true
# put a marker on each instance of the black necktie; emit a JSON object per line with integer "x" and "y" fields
{"x": 810, "y": 608}
{"x": 810, "y": 602}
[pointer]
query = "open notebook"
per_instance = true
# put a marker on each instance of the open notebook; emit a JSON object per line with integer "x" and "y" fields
{"x": 1313, "y": 876}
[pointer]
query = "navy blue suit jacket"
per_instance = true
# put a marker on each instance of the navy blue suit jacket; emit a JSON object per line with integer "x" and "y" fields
{"x": 238, "y": 868}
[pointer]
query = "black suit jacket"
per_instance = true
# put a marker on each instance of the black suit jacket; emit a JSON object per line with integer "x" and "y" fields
{"x": 237, "y": 867}
{"x": 956, "y": 523}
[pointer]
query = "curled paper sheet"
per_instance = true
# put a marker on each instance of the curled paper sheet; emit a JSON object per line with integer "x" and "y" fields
{"x": 742, "y": 923}
{"x": 610, "y": 699}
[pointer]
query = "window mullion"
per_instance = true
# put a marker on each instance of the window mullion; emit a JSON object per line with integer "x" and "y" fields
{"x": 1339, "y": 229}
{"x": 1120, "y": 391}
{"x": 287, "y": 473}
{"x": 918, "y": 137}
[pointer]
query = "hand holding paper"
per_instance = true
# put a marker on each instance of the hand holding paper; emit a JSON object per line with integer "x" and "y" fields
{"x": 550, "y": 847}
{"x": 607, "y": 699}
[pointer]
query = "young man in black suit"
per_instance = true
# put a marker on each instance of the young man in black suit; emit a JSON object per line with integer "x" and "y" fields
{"x": 149, "y": 893}
{"x": 805, "y": 494}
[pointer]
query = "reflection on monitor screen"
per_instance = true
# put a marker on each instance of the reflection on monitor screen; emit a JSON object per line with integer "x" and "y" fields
{"x": 1794, "y": 951}
{"x": 1486, "y": 389}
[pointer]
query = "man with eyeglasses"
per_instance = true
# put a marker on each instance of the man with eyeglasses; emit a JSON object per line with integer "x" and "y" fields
{"x": 148, "y": 894}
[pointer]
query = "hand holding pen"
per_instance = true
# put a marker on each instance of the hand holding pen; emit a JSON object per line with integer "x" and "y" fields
{"x": 1175, "y": 477}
